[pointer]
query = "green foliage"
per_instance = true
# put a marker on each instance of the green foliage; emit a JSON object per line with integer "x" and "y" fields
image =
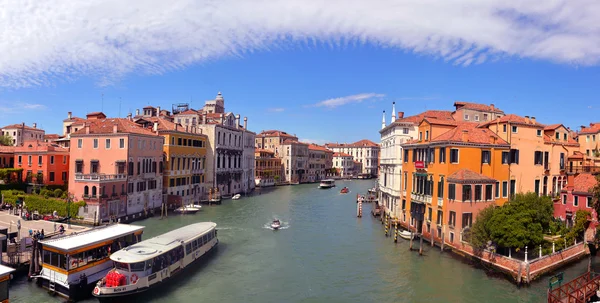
{"x": 10, "y": 175}
{"x": 578, "y": 230}
{"x": 557, "y": 227}
{"x": 595, "y": 191}
{"x": 6, "y": 140}
{"x": 41, "y": 204}
{"x": 518, "y": 223}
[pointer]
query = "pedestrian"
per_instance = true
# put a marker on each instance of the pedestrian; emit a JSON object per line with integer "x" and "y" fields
{"x": 42, "y": 235}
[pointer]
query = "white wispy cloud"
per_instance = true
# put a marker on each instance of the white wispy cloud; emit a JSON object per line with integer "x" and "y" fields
{"x": 19, "y": 107}
{"x": 314, "y": 141}
{"x": 335, "y": 102}
{"x": 276, "y": 109}
{"x": 46, "y": 41}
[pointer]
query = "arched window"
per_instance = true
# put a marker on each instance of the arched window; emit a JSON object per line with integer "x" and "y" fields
{"x": 86, "y": 191}
{"x": 94, "y": 191}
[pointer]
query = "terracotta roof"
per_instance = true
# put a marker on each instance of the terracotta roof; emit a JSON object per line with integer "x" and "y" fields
{"x": 583, "y": 183}
{"x": 594, "y": 128}
{"x": 16, "y": 126}
{"x": 106, "y": 126}
{"x": 149, "y": 107}
{"x": 74, "y": 119}
{"x": 438, "y": 114}
{"x": 7, "y": 149}
{"x": 36, "y": 145}
{"x": 514, "y": 119}
{"x": 552, "y": 140}
{"x": 467, "y": 176}
{"x": 576, "y": 155}
{"x": 552, "y": 126}
{"x": 317, "y": 147}
{"x": 476, "y": 106}
{"x": 274, "y": 133}
{"x": 361, "y": 143}
{"x": 437, "y": 121}
{"x": 341, "y": 155}
{"x": 189, "y": 112}
{"x": 163, "y": 124}
{"x": 51, "y": 136}
{"x": 473, "y": 134}
{"x": 293, "y": 141}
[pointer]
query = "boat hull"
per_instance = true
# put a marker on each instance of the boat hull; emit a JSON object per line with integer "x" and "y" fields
{"x": 118, "y": 296}
{"x": 405, "y": 236}
{"x": 75, "y": 292}
{"x": 275, "y": 226}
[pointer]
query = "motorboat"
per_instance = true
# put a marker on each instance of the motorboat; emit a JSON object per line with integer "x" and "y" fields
{"x": 236, "y": 197}
{"x": 147, "y": 264}
{"x": 372, "y": 190}
{"x": 405, "y": 234}
{"x": 327, "y": 183}
{"x": 187, "y": 209}
{"x": 195, "y": 205}
{"x": 345, "y": 190}
{"x": 276, "y": 224}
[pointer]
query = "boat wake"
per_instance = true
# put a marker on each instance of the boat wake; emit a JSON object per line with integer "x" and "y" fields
{"x": 284, "y": 225}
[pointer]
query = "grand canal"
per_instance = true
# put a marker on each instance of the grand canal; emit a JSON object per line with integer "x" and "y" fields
{"x": 323, "y": 254}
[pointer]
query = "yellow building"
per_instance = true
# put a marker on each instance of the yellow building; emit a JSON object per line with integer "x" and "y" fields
{"x": 184, "y": 158}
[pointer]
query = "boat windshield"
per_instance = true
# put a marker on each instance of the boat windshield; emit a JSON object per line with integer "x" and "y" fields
{"x": 122, "y": 266}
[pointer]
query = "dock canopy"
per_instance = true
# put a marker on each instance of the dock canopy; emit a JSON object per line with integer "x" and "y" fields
{"x": 148, "y": 249}
{"x": 98, "y": 235}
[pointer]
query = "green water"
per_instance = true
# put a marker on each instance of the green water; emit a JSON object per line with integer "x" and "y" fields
{"x": 322, "y": 254}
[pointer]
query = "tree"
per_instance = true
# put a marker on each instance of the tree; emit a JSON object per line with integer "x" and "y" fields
{"x": 6, "y": 140}
{"x": 596, "y": 195}
{"x": 480, "y": 233}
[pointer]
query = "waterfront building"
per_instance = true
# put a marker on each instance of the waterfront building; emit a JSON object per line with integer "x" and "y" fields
{"x": 451, "y": 172}
{"x": 184, "y": 158}
{"x": 318, "y": 162}
{"x": 576, "y": 195}
{"x": 295, "y": 161}
{"x": 357, "y": 168}
{"x": 115, "y": 167}
{"x": 230, "y": 152}
{"x": 7, "y": 156}
{"x": 42, "y": 163}
{"x": 400, "y": 130}
{"x": 589, "y": 139}
{"x": 20, "y": 133}
{"x": 538, "y": 155}
{"x": 363, "y": 151}
{"x": 343, "y": 164}
{"x": 475, "y": 112}
{"x": 269, "y": 170}
{"x": 272, "y": 140}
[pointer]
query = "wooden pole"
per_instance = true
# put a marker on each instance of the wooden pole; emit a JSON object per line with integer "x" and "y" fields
{"x": 421, "y": 244}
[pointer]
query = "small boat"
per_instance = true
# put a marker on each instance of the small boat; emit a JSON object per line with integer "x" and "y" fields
{"x": 276, "y": 224}
{"x": 372, "y": 190}
{"x": 187, "y": 209}
{"x": 149, "y": 263}
{"x": 345, "y": 190}
{"x": 236, "y": 197}
{"x": 327, "y": 183}
{"x": 405, "y": 234}
{"x": 195, "y": 205}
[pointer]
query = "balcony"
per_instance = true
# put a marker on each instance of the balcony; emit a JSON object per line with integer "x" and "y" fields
{"x": 420, "y": 198}
{"x": 100, "y": 177}
{"x": 583, "y": 169}
{"x": 440, "y": 202}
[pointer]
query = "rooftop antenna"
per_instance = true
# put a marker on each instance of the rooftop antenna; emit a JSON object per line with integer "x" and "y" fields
{"x": 102, "y": 108}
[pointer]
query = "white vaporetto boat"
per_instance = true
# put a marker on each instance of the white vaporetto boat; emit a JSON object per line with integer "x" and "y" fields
{"x": 187, "y": 209}
{"x": 405, "y": 234}
{"x": 146, "y": 264}
{"x": 328, "y": 183}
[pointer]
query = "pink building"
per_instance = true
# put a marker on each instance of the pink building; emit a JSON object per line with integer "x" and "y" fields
{"x": 576, "y": 196}
{"x": 116, "y": 167}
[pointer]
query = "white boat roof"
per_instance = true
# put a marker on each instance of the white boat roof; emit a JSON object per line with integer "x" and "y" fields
{"x": 89, "y": 237}
{"x": 153, "y": 247}
{"x": 328, "y": 180}
{"x": 5, "y": 270}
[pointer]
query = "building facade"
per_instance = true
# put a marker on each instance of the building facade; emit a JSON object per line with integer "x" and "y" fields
{"x": 295, "y": 161}
{"x": 363, "y": 151}
{"x": 115, "y": 167}
{"x": 576, "y": 196}
{"x": 589, "y": 139}
{"x": 7, "y": 156}
{"x": 20, "y": 133}
{"x": 42, "y": 163}
{"x": 273, "y": 140}
{"x": 269, "y": 170}
{"x": 317, "y": 162}
{"x": 343, "y": 164}
{"x": 248, "y": 162}
{"x": 475, "y": 112}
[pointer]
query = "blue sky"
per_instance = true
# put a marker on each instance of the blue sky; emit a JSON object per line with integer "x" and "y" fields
{"x": 279, "y": 82}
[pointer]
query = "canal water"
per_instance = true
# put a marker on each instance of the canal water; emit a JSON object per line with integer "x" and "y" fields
{"x": 323, "y": 253}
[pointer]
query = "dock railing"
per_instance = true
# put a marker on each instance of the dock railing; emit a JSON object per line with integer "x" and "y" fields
{"x": 578, "y": 290}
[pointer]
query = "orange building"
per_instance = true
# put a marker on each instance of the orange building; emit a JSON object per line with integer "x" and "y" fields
{"x": 450, "y": 173}
{"x": 7, "y": 156}
{"x": 268, "y": 168}
{"x": 43, "y": 163}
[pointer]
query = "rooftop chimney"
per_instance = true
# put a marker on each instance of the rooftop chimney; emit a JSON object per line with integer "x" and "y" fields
{"x": 204, "y": 118}
{"x": 129, "y": 116}
{"x": 532, "y": 119}
{"x": 155, "y": 127}
{"x": 87, "y": 128}
{"x": 492, "y": 139}
{"x": 246, "y": 123}
{"x": 137, "y": 112}
{"x": 69, "y": 115}
{"x": 237, "y": 121}
{"x": 465, "y": 135}
{"x": 492, "y": 106}
{"x": 115, "y": 129}
{"x": 393, "y": 111}
{"x": 222, "y": 118}
{"x": 22, "y": 124}
{"x": 400, "y": 115}
{"x": 158, "y": 111}
{"x": 34, "y": 125}
{"x": 527, "y": 120}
